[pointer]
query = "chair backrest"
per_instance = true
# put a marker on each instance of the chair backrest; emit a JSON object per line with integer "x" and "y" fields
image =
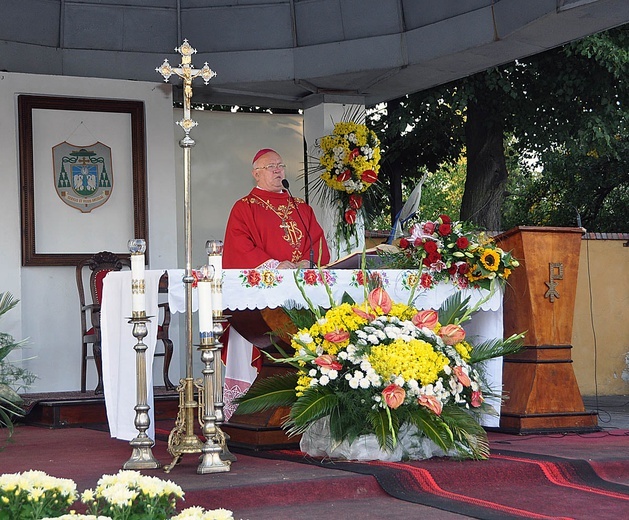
{"x": 99, "y": 264}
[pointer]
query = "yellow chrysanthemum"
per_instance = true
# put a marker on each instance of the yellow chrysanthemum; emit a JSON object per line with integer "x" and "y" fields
{"x": 415, "y": 359}
{"x": 464, "y": 349}
{"x": 303, "y": 383}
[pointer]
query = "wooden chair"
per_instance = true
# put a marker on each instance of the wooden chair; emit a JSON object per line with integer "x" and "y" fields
{"x": 92, "y": 271}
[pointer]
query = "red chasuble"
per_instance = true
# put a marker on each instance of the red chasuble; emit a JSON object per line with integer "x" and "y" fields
{"x": 265, "y": 226}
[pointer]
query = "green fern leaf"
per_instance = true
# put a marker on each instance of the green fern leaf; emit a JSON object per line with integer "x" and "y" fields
{"x": 433, "y": 427}
{"x": 495, "y": 348}
{"x": 453, "y": 308}
{"x": 314, "y": 404}
{"x": 269, "y": 392}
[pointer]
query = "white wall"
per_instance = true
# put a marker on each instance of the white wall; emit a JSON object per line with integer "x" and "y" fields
{"x": 48, "y": 314}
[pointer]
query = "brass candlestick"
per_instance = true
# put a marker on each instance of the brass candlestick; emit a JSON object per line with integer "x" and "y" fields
{"x": 142, "y": 456}
{"x": 211, "y": 460}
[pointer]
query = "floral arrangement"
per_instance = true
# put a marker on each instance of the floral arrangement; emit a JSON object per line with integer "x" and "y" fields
{"x": 349, "y": 165}
{"x": 34, "y": 494}
{"x": 128, "y": 495}
{"x": 379, "y": 366}
{"x": 452, "y": 251}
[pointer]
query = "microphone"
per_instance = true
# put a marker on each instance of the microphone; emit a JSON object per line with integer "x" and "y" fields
{"x": 285, "y": 184}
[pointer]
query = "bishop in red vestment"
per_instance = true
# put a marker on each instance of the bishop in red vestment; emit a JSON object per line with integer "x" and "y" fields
{"x": 270, "y": 228}
{"x": 267, "y": 228}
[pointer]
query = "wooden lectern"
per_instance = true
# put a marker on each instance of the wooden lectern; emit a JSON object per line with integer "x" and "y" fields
{"x": 539, "y": 382}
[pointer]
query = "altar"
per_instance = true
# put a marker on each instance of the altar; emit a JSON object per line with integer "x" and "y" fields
{"x": 251, "y": 289}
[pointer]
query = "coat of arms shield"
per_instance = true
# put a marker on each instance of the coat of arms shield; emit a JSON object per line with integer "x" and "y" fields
{"x": 83, "y": 174}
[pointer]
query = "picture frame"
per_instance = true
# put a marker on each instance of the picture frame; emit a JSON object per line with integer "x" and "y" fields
{"x": 31, "y": 256}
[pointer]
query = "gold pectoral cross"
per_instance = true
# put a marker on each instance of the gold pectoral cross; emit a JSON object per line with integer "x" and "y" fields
{"x": 292, "y": 234}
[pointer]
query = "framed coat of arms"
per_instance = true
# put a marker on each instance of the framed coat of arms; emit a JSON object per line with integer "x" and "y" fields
{"x": 83, "y": 175}
{"x": 80, "y": 210}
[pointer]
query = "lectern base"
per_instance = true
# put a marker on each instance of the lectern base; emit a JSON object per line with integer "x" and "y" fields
{"x": 568, "y": 422}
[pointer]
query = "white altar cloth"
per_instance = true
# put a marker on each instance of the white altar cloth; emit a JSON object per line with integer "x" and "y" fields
{"x": 252, "y": 289}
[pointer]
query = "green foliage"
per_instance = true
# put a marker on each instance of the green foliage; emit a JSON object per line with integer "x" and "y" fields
{"x": 496, "y": 348}
{"x": 313, "y": 405}
{"x": 565, "y": 118}
{"x": 269, "y": 392}
{"x": 12, "y": 377}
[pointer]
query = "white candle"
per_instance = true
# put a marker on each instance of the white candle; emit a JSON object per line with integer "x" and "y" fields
{"x": 138, "y": 298}
{"x": 214, "y": 250}
{"x": 205, "y": 306}
{"x": 217, "y": 298}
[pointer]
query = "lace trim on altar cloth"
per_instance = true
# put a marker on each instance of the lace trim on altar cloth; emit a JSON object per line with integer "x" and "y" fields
{"x": 232, "y": 389}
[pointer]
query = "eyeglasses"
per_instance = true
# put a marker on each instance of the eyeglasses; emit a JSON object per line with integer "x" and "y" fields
{"x": 271, "y": 167}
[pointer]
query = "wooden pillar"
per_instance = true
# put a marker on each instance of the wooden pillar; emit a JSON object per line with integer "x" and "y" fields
{"x": 539, "y": 382}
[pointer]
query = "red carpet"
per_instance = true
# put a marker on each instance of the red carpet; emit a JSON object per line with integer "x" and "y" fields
{"x": 537, "y": 477}
{"x": 510, "y": 484}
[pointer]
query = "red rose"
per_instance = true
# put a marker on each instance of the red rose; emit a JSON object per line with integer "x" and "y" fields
{"x": 328, "y": 361}
{"x": 445, "y": 219}
{"x": 430, "y": 246}
{"x": 418, "y": 242}
{"x": 463, "y": 268}
{"x": 355, "y": 201}
{"x": 369, "y": 176}
{"x": 404, "y": 243}
{"x": 429, "y": 228}
{"x": 431, "y": 259}
{"x": 452, "y": 269}
{"x": 253, "y": 277}
{"x": 427, "y": 318}
{"x": 350, "y": 217}
{"x": 393, "y": 396}
{"x": 344, "y": 176}
{"x": 379, "y": 298}
{"x": 353, "y": 154}
{"x": 462, "y": 242}
{"x": 337, "y": 336}
{"x": 445, "y": 229}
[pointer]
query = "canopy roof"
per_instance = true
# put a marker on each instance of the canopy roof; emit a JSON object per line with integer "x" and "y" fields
{"x": 293, "y": 53}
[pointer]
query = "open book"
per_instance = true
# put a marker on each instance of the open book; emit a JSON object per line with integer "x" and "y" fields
{"x": 372, "y": 259}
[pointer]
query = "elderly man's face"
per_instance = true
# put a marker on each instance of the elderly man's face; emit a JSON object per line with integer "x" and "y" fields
{"x": 268, "y": 171}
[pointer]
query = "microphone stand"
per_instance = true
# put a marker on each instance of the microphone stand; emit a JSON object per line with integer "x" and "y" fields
{"x": 286, "y": 185}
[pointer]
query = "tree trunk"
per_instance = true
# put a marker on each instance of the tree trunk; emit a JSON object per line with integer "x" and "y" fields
{"x": 486, "y": 178}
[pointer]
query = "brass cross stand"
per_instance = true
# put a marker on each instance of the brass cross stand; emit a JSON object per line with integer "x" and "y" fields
{"x": 182, "y": 438}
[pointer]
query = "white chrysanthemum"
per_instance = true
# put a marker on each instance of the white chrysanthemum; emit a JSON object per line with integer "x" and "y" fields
{"x": 353, "y": 383}
{"x": 342, "y": 355}
{"x": 305, "y": 338}
{"x": 312, "y": 372}
{"x": 324, "y": 380}
{"x": 373, "y": 339}
{"x": 364, "y": 383}
{"x": 333, "y": 374}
